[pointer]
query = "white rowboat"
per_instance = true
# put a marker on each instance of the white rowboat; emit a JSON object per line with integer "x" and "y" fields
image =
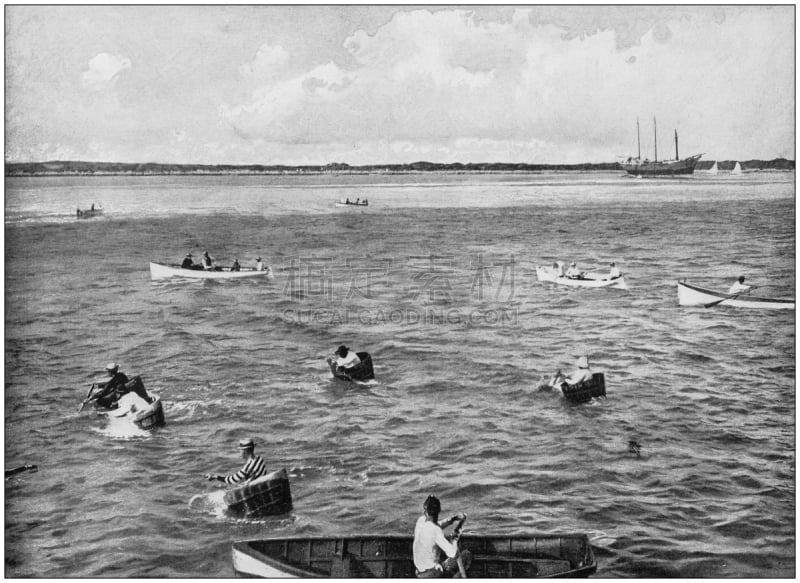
{"x": 691, "y": 295}
{"x": 160, "y": 271}
{"x": 590, "y": 280}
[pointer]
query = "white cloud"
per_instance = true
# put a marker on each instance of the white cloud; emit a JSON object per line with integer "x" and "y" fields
{"x": 103, "y": 70}
{"x": 268, "y": 62}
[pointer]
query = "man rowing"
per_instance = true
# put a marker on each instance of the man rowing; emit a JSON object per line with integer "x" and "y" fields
{"x": 253, "y": 468}
{"x": 430, "y": 542}
{"x": 739, "y": 286}
{"x": 582, "y": 374}
{"x": 343, "y": 359}
{"x": 113, "y": 389}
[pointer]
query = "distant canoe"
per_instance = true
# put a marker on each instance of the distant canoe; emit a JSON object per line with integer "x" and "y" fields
{"x": 591, "y": 280}
{"x": 692, "y": 295}
{"x": 363, "y": 371}
{"x": 161, "y": 271}
{"x": 391, "y": 556}
{"x": 89, "y": 214}
{"x": 264, "y": 496}
{"x": 345, "y": 203}
{"x": 585, "y": 391}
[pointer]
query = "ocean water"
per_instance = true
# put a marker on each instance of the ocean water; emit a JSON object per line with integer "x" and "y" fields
{"x": 436, "y": 279}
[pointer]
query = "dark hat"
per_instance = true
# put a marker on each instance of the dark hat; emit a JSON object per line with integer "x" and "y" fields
{"x": 741, "y": 279}
{"x": 246, "y": 443}
{"x": 342, "y": 350}
{"x": 432, "y": 505}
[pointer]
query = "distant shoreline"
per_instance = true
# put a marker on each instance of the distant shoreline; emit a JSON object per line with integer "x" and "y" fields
{"x": 71, "y": 168}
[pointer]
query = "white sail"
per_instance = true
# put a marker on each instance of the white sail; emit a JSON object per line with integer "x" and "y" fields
{"x": 737, "y": 169}
{"x": 714, "y": 169}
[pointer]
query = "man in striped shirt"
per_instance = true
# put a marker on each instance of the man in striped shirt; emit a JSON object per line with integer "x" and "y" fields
{"x": 253, "y": 468}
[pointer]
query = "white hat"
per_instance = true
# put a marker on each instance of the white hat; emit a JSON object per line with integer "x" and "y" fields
{"x": 112, "y": 367}
{"x": 246, "y": 443}
{"x": 583, "y": 362}
{"x": 573, "y": 263}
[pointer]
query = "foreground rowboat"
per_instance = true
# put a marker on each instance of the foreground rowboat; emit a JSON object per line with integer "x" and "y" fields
{"x": 264, "y": 496}
{"x": 388, "y": 557}
{"x": 593, "y": 280}
{"x": 691, "y": 295}
{"x": 161, "y": 271}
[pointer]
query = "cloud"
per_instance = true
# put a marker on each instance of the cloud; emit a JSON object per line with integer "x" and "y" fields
{"x": 268, "y": 62}
{"x": 103, "y": 70}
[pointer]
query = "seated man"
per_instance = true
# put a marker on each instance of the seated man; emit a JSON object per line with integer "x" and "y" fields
{"x": 236, "y": 266}
{"x": 112, "y": 389}
{"x": 583, "y": 374}
{"x": 430, "y": 542}
{"x": 614, "y": 273}
{"x": 739, "y": 286}
{"x": 254, "y": 466}
{"x": 573, "y": 272}
{"x": 187, "y": 262}
{"x": 344, "y": 359}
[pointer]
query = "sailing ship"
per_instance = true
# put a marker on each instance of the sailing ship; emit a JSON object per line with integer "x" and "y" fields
{"x": 737, "y": 169}
{"x": 638, "y": 167}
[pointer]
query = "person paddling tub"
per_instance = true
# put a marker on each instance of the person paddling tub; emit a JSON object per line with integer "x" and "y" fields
{"x": 115, "y": 388}
{"x": 253, "y": 468}
{"x": 583, "y": 374}
{"x": 430, "y": 542}
{"x": 343, "y": 359}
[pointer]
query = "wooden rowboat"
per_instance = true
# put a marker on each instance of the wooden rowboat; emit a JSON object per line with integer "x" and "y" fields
{"x": 161, "y": 271}
{"x": 692, "y": 295}
{"x": 90, "y": 213}
{"x": 363, "y": 371}
{"x": 264, "y": 496}
{"x": 391, "y": 557}
{"x": 587, "y": 390}
{"x": 345, "y": 203}
{"x": 148, "y": 418}
{"x": 590, "y": 280}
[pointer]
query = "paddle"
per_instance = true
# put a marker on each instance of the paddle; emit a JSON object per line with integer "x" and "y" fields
{"x": 730, "y": 297}
{"x": 459, "y": 560}
{"x": 86, "y": 400}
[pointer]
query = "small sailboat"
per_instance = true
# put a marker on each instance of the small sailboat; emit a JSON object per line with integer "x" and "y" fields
{"x": 639, "y": 167}
{"x": 714, "y": 169}
{"x": 737, "y": 169}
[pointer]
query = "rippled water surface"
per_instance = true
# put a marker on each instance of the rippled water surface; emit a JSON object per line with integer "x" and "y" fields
{"x": 436, "y": 280}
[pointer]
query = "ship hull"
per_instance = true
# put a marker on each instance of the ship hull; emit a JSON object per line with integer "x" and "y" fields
{"x": 668, "y": 168}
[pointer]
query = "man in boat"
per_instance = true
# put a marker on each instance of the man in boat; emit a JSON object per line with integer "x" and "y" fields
{"x": 343, "y": 359}
{"x": 430, "y": 542}
{"x": 558, "y": 269}
{"x": 236, "y": 266}
{"x": 573, "y": 272}
{"x": 112, "y": 390}
{"x": 188, "y": 263}
{"x": 259, "y": 264}
{"x": 583, "y": 374}
{"x": 614, "y": 273}
{"x": 739, "y": 286}
{"x": 208, "y": 264}
{"x": 253, "y": 468}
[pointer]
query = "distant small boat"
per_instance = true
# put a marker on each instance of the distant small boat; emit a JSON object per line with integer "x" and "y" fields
{"x": 391, "y": 557}
{"x": 161, "y": 271}
{"x": 90, "y": 213}
{"x": 589, "y": 280}
{"x": 264, "y": 496}
{"x": 349, "y": 203}
{"x": 585, "y": 391}
{"x": 737, "y": 169}
{"x": 692, "y": 295}
{"x": 363, "y": 371}
{"x": 714, "y": 169}
{"x": 638, "y": 167}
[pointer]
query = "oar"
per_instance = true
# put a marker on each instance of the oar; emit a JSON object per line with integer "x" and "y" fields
{"x": 86, "y": 400}
{"x": 459, "y": 559}
{"x": 730, "y": 297}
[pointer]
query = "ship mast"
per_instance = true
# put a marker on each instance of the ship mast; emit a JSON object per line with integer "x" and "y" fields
{"x": 676, "y": 146}
{"x": 638, "y": 142}
{"x": 655, "y": 138}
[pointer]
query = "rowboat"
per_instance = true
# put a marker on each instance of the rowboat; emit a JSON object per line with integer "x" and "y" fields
{"x": 585, "y": 391}
{"x": 263, "y": 496}
{"x": 692, "y": 295}
{"x": 346, "y": 203}
{"x": 90, "y": 213}
{"x": 391, "y": 556}
{"x": 161, "y": 271}
{"x": 363, "y": 371}
{"x": 589, "y": 280}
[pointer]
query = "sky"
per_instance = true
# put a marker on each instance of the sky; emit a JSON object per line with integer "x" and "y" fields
{"x": 372, "y": 84}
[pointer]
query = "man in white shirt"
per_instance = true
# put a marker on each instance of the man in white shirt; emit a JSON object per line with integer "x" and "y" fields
{"x": 346, "y": 358}
{"x": 583, "y": 374}
{"x": 573, "y": 272}
{"x": 614, "y": 274}
{"x": 739, "y": 286}
{"x": 430, "y": 541}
